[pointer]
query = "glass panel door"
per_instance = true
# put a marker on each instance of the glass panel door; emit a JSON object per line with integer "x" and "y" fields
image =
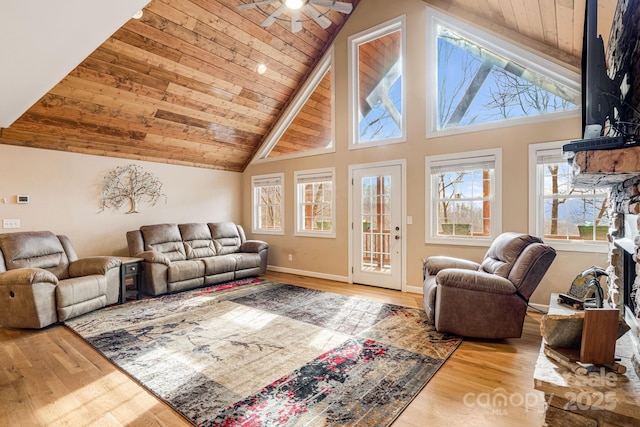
{"x": 377, "y": 251}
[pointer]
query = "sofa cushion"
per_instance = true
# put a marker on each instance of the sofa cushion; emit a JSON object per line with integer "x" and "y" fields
{"x": 197, "y": 240}
{"x": 246, "y": 260}
{"x": 35, "y": 249}
{"x": 185, "y": 270}
{"x": 164, "y": 238}
{"x": 226, "y": 237}
{"x": 80, "y": 295}
{"x": 219, "y": 264}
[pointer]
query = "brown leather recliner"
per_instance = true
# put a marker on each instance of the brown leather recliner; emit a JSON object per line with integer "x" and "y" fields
{"x": 487, "y": 299}
{"x": 42, "y": 280}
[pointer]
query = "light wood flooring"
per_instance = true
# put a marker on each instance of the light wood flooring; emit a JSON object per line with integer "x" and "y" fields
{"x": 52, "y": 377}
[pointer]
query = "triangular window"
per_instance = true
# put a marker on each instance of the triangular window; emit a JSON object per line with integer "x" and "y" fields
{"x": 483, "y": 80}
{"x": 306, "y": 128}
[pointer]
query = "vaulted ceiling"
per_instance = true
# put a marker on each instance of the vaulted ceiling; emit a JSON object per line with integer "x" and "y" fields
{"x": 180, "y": 84}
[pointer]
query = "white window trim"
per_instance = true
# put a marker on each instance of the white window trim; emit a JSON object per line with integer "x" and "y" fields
{"x": 536, "y": 205}
{"x": 431, "y": 220}
{"x": 271, "y": 140}
{"x": 298, "y": 215}
{"x": 378, "y": 31}
{"x": 499, "y": 46}
{"x": 254, "y": 213}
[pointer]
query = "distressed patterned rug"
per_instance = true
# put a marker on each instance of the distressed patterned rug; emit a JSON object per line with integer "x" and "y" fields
{"x": 260, "y": 353}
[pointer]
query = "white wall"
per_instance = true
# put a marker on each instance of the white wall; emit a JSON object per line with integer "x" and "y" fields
{"x": 65, "y": 191}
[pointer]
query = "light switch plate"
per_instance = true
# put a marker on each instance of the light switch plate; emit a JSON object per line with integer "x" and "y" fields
{"x": 10, "y": 223}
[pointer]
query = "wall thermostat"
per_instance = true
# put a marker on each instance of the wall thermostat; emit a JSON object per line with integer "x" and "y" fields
{"x": 22, "y": 198}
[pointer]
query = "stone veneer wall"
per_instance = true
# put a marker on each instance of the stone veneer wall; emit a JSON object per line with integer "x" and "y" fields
{"x": 624, "y": 199}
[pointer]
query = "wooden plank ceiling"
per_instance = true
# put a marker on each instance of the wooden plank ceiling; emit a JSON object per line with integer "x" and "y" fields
{"x": 180, "y": 85}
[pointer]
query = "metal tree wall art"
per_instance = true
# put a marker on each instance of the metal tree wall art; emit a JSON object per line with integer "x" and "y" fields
{"x": 130, "y": 183}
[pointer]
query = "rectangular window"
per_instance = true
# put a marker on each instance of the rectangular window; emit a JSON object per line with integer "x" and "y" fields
{"x": 268, "y": 203}
{"x": 315, "y": 198}
{"x": 377, "y": 95}
{"x": 565, "y": 216}
{"x": 463, "y": 197}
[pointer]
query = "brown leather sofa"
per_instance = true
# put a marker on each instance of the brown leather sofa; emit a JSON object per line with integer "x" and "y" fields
{"x": 42, "y": 281}
{"x": 487, "y": 299}
{"x": 178, "y": 257}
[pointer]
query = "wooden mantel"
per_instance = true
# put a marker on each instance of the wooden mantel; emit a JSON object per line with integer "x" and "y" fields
{"x": 604, "y": 168}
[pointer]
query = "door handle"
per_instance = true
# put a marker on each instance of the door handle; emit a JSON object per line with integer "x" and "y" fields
{"x": 397, "y": 237}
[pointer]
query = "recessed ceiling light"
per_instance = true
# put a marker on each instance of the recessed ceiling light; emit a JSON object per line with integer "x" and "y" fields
{"x": 138, "y": 14}
{"x": 261, "y": 69}
{"x": 294, "y": 4}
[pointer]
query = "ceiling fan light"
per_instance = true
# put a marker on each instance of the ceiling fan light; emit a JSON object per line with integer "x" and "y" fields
{"x": 294, "y": 4}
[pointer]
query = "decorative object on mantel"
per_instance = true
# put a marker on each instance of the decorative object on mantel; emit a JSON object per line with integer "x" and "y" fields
{"x": 584, "y": 286}
{"x": 130, "y": 183}
{"x": 296, "y": 8}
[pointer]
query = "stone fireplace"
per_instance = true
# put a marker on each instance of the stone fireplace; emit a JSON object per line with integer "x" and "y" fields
{"x": 623, "y": 285}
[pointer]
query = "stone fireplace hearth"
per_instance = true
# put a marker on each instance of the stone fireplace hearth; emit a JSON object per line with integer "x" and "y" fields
{"x": 623, "y": 285}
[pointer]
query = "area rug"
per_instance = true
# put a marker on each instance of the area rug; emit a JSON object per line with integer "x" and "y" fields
{"x": 261, "y": 353}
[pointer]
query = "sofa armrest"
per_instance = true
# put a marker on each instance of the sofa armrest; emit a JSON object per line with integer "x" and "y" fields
{"x": 154, "y": 257}
{"x": 432, "y": 265}
{"x": 475, "y": 281}
{"x": 93, "y": 265}
{"x": 253, "y": 246}
{"x": 27, "y": 277}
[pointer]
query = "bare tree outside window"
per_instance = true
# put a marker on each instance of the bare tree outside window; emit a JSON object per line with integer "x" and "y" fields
{"x": 317, "y": 206}
{"x": 130, "y": 184}
{"x": 572, "y": 212}
{"x": 270, "y": 207}
{"x": 463, "y": 202}
{"x": 476, "y": 85}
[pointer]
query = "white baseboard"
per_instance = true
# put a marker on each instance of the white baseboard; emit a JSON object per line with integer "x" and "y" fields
{"x": 345, "y": 279}
{"x": 308, "y": 273}
{"x": 413, "y": 289}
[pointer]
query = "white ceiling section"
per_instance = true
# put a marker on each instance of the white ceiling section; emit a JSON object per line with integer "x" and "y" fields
{"x": 41, "y": 41}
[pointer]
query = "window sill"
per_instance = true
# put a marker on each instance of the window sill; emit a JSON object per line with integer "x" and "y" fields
{"x": 579, "y": 246}
{"x": 460, "y": 241}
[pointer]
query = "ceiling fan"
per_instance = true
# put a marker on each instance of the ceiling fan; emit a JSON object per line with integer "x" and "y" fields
{"x": 296, "y": 8}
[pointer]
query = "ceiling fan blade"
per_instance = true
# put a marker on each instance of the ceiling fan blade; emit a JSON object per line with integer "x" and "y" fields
{"x": 247, "y": 6}
{"x": 296, "y": 24}
{"x": 272, "y": 18}
{"x": 338, "y": 6}
{"x": 318, "y": 17}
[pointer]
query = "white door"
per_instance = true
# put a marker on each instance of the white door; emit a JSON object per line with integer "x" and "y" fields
{"x": 377, "y": 226}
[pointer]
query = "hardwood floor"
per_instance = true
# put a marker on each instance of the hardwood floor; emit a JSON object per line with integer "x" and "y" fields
{"x": 52, "y": 377}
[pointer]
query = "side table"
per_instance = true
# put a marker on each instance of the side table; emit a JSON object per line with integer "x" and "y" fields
{"x": 130, "y": 267}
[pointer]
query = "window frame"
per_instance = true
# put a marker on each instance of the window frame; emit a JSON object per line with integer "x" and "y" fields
{"x": 353, "y": 43}
{"x": 431, "y": 199}
{"x": 299, "y": 201}
{"x": 290, "y": 113}
{"x": 536, "y": 204}
{"x": 255, "y": 216}
{"x": 501, "y": 47}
